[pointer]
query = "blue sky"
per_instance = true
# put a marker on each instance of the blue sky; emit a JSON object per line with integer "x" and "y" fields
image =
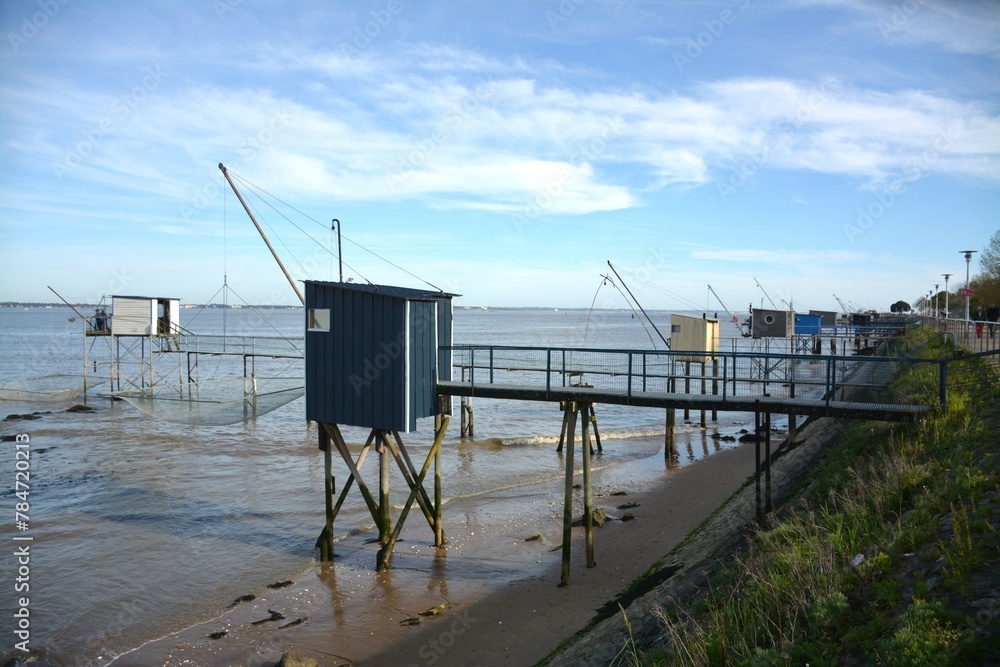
{"x": 501, "y": 150}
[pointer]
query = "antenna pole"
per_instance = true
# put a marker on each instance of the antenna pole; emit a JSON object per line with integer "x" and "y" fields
{"x": 648, "y": 319}
{"x": 291, "y": 281}
{"x": 335, "y": 224}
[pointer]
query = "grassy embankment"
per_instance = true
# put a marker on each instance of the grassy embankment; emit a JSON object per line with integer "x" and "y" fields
{"x": 886, "y": 555}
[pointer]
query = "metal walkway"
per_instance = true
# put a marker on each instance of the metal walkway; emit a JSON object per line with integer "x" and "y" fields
{"x": 808, "y": 385}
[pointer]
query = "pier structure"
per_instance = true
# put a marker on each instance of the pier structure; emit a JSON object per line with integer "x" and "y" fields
{"x": 151, "y": 361}
{"x": 374, "y": 357}
{"x": 794, "y": 384}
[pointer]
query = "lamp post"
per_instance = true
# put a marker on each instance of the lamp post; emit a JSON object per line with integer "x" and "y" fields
{"x": 968, "y": 262}
{"x": 936, "y": 286}
{"x": 947, "y": 313}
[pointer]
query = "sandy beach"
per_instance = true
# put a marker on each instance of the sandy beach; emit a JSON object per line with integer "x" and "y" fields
{"x": 495, "y": 585}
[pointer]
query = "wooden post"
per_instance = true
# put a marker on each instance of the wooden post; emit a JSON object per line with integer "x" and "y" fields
{"x": 703, "y": 387}
{"x": 326, "y": 540}
{"x": 588, "y": 496}
{"x": 715, "y": 385}
{"x": 793, "y": 427}
{"x": 767, "y": 461}
{"x": 565, "y": 421}
{"x": 687, "y": 388}
{"x": 416, "y": 489}
{"x": 461, "y": 409}
{"x": 384, "y": 525}
{"x": 440, "y": 425}
{"x": 756, "y": 440}
{"x": 670, "y": 445}
{"x": 568, "y": 497}
{"x": 597, "y": 433}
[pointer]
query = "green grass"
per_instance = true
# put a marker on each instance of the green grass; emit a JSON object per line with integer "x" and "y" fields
{"x": 875, "y": 562}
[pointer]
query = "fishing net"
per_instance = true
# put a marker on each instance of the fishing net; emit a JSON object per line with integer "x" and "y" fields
{"x": 47, "y": 389}
{"x": 218, "y": 402}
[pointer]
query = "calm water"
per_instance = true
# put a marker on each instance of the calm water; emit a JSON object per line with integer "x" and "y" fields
{"x": 143, "y": 527}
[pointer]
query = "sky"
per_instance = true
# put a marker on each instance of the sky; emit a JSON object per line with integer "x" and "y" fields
{"x": 781, "y": 152}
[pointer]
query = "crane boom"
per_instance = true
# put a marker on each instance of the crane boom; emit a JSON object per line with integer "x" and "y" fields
{"x": 648, "y": 318}
{"x": 291, "y": 281}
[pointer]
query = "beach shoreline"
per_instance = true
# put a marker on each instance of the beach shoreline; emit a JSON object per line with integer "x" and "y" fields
{"x": 497, "y": 578}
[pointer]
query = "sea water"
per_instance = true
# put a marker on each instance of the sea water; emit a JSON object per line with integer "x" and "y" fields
{"x": 140, "y": 527}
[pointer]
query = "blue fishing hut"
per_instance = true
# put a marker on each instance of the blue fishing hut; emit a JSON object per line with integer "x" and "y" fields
{"x": 807, "y": 325}
{"x": 374, "y": 355}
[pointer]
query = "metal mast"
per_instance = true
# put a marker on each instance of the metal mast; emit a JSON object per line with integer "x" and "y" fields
{"x": 291, "y": 281}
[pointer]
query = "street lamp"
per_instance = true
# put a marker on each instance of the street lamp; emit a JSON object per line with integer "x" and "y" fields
{"x": 968, "y": 262}
{"x": 936, "y": 285}
{"x": 947, "y": 313}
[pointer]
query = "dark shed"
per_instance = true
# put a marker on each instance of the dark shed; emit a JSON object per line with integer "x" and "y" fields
{"x": 372, "y": 356}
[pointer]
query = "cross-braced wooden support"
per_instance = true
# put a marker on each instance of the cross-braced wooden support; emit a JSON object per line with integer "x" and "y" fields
{"x": 573, "y": 411}
{"x": 389, "y": 446}
{"x": 590, "y": 415}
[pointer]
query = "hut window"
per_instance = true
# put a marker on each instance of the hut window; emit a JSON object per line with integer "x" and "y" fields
{"x": 319, "y": 319}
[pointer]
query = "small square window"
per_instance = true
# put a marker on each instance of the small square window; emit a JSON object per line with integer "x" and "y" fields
{"x": 675, "y": 328}
{"x": 319, "y": 319}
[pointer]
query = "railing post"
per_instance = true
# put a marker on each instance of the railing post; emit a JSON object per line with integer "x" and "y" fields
{"x": 943, "y": 380}
{"x": 548, "y": 370}
{"x": 564, "y": 367}
{"x": 630, "y": 375}
{"x": 643, "y": 371}
{"x": 472, "y": 367}
{"x": 491, "y": 364}
{"x": 724, "y": 368}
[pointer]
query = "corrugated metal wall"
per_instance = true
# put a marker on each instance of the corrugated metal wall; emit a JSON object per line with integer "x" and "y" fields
{"x": 377, "y": 366}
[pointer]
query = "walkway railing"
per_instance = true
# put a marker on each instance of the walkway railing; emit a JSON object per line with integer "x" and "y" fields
{"x": 635, "y": 372}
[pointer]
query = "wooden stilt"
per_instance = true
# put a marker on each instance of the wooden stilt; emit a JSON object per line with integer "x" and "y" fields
{"x": 439, "y": 422}
{"x": 767, "y": 462}
{"x": 472, "y": 418}
{"x": 597, "y": 433}
{"x": 703, "y": 388}
{"x": 338, "y": 441}
{"x": 565, "y": 421}
{"x": 756, "y": 431}
{"x": 350, "y": 478}
{"x": 793, "y": 426}
{"x": 415, "y": 490}
{"x": 384, "y": 522}
{"x": 588, "y": 496}
{"x": 670, "y": 444}
{"x": 715, "y": 386}
{"x": 461, "y": 409}
{"x": 687, "y": 388}
{"x": 568, "y": 499}
{"x": 406, "y": 466}
{"x": 326, "y": 539}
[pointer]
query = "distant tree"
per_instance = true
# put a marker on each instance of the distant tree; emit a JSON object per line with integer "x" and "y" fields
{"x": 900, "y": 307}
{"x": 990, "y": 258}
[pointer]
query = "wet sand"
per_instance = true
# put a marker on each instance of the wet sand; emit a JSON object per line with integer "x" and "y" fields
{"x": 504, "y": 603}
